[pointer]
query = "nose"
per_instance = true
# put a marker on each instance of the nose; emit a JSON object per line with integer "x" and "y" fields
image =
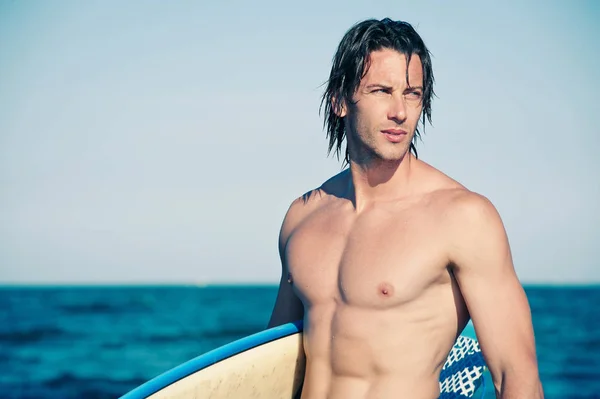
{"x": 397, "y": 109}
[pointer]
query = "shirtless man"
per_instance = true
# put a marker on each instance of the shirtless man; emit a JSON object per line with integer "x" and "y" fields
{"x": 387, "y": 261}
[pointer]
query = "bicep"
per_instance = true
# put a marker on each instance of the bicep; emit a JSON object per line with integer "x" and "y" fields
{"x": 288, "y": 307}
{"x": 492, "y": 292}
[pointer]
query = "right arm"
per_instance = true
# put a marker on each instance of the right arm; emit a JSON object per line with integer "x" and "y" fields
{"x": 288, "y": 307}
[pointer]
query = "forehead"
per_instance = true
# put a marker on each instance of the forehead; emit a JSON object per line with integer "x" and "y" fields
{"x": 389, "y": 66}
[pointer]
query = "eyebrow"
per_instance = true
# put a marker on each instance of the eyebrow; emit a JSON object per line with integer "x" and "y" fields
{"x": 388, "y": 87}
{"x": 378, "y": 85}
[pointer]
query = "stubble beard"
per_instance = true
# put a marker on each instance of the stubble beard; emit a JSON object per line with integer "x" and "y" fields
{"x": 367, "y": 151}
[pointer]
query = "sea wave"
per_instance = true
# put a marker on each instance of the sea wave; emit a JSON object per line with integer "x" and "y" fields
{"x": 103, "y": 308}
{"x": 223, "y": 333}
{"x": 32, "y": 335}
{"x": 70, "y": 386}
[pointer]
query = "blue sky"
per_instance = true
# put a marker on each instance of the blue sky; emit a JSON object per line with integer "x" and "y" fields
{"x": 162, "y": 142}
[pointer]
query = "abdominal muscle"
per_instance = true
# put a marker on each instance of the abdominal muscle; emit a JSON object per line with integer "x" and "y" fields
{"x": 368, "y": 354}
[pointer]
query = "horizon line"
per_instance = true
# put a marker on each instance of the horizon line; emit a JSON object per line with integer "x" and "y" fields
{"x": 217, "y": 283}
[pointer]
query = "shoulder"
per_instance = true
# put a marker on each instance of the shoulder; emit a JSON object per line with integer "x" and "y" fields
{"x": 308, "y": 203}
{"x": 299, "y": 209}
{"x": 471, "y": 225}
{"x": 469, "y": 208}
{"x": 458, "y": 202}
{"x": 475, "y": 233}
{"x": 467, "y": 215}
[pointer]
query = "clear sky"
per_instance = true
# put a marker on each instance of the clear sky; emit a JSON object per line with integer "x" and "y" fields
{"x": 162, "y": 142}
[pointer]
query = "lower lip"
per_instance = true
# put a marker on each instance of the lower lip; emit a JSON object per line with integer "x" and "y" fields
{"x": 394, "y": 138}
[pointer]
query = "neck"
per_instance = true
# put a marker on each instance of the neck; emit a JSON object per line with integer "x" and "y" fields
{"x": 379, "y": 180}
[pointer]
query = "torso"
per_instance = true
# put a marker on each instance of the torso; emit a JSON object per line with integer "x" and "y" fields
{"x": 382, "y": 308}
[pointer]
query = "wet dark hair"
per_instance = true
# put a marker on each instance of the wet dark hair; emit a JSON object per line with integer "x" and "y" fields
{"x": 350, "y": 65}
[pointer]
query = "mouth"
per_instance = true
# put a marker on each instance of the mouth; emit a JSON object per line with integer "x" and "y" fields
{"x": 394, "y": 135}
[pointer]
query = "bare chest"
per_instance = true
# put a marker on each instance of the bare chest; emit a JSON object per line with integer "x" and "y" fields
{"x": 380, "y": 260}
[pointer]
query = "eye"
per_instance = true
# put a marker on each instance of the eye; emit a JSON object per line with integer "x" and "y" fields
{"x": 381, "y": 91}
{"x": 414, "y": 95}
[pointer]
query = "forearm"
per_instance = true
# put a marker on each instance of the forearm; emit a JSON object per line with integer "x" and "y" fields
{"x": 519, "y": 386}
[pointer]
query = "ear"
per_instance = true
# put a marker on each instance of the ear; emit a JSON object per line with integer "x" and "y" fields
{"x": 339, "y": 107}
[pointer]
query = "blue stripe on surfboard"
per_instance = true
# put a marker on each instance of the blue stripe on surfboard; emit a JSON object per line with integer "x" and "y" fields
{"x": 209, "y": 358}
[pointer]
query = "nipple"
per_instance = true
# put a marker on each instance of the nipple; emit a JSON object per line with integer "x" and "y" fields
{"x": 386, "y": 289}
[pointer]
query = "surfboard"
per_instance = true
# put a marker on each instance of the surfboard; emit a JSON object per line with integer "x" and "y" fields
{"x": 270, "y": 365}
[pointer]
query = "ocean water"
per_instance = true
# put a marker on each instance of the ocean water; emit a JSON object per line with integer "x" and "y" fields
{"x": 100, "y": 342}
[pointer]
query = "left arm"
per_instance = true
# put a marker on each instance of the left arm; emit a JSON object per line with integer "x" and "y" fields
{"x": 483, "y": 266}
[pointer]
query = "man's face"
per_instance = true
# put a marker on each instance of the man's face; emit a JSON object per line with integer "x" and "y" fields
{"x": 382, "y": 122}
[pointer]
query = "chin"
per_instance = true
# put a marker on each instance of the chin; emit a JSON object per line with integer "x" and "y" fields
{"x": 395, "y": 159}
{"x": 395, "y": 155}
{"x": 381, "y": 152}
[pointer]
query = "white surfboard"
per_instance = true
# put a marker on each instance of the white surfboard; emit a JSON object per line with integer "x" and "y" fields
{"x": 270, "y": 365}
